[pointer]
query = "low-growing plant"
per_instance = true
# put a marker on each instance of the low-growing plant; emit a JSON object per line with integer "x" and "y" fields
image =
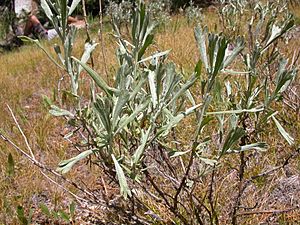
{"x": 160, "y": 11}
{"x": 6, "y": 17}
{"x": 55, "y": 216}
{"x": 193, "y": 13}
{"x": 24, "y": 219}
{"x": 121, "y": 12}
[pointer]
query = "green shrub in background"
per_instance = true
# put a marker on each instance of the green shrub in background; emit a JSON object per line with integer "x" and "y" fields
{"x": 6, "y": 18}
{"x": 129, "y": 129}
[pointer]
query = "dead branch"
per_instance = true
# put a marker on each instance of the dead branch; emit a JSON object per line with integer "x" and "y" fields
{"x": 269, "y": 211}
{"x": 43, "y": 167}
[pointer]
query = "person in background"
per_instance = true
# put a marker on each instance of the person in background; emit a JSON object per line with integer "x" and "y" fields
{"x": 26, "y": 23}
{"x": 34, "y": 27}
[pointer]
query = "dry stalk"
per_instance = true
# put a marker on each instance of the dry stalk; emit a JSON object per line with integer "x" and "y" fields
{"x": 101, "y": 38}
{"x": 286, "y": 162}
{"x": 242, "y": 167}
{"x": 43, "y": 168}
{"x": 87, "y": 30}
{"x": 21, "y": 131}
{"x": 269, "y": 211}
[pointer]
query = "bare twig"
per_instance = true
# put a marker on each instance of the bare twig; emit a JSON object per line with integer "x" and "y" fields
{"x": 35, "y": 162}
{"x": 78, "y": 199}
{"x": 164, "y": 195}
{"x": 269, "y": 211}
{"x": 210, "y": 197}
{"x": 101, "y": 38}
{"x": 182, "y": 183}
{"x": 286, "y": 162}
{"x": 21, "y": 131}
{"x": 43, "y": 167}
{"x": 87, "y": 30}
{"x": 242, "y": 185}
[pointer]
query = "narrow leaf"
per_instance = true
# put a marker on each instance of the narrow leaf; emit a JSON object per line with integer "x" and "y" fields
{"x": 282, "y": 131}
{"x": 47, "y": 10}
{"x": 122, "y": 100}
{"x": 98, "y": 79}
{"x": 200, "y": 37}
{"x": 124, "y": 189}
{"x": 237, "y": 111}
{"x": 157, "y": 55}
{"x": 45, "y": 210}
{"x": 56, "y": 111}
{"x": 128, "y": 119}
{"x": 152, "y": 85}
{"x": 233, "y": 136}
{"x": 73, "y": 6}
{"x": 237, "y": 50}
{"x": 140, "y": 150}
{"x": 88, "y": 49}
{"x": 261, "y": 146}
{"x": 176, "y": 154}
{"x": 210, "y": 162}
{"x": 10, "y": 165}
{"x": 65, "y": 165}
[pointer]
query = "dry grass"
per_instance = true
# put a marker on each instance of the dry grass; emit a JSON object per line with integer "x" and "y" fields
{"x": 26, "y": 75}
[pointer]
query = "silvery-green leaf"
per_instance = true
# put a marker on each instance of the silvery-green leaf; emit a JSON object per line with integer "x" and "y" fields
{"x": 47, "y": 9}
{"x": 65, "y": 165}
{"x": 127, "y": 119}
{"x": 237, "y": 50}
{"x": 261, "y": 146}
{"x": 233, "y": 136}
{"x": 174, "y": 120}
{"x": 176, "y": 154}
{"x": 73, "y": 6}
{"x": 97, "y": 78}
{"x": 124, "y": 189}
{"x": 253, "y": 96}
{"x": 220, "y": 54}
{"x": 253, "y": 110}
{"x": 56, "y": 111}
{"x": 190, "y": 97}
{"x": 283, "y": 77}
{"x": 152, "y": 85}
{"x": 122, "y": 100}
{"x": 210, "y": 162}
{"x": 282, "y": 131}
{"x": 200, "y": 37}
{"x": 233, "y": 121}
{"x": 88, "y": 49}
{"x": 277, "y": 31}
{"x": 184, "y": 88}
{"x": 157, "y": 55}
{"x": 138, "y": 87}
{"x": 140, "y": 150}
{"x": 274, "y": 33}
{"x": 228, "y": 88}
{"x": 147, "y": 43}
